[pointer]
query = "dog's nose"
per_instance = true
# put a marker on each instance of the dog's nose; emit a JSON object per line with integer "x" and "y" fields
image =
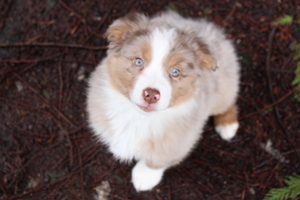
{"x": 151, "y": 95}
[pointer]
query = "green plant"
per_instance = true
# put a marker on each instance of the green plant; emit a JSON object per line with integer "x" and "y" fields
{"x": 288, "y": 20}
{"x": 284, "y": 20}
{"x": 291, "y": 191}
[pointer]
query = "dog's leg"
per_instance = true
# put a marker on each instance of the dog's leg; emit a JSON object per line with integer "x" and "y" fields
{"x": 226, "y": 124}
{"x": 145, "y": 177}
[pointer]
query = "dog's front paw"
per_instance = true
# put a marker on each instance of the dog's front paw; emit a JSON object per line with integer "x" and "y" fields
{"x": 145, "y": 178}
{"x": 228, "y": 131}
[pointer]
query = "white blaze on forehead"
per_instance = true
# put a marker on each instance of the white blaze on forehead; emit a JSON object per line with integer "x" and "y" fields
{"x": 161, "y": 44}
{"x": 154, "y": 75}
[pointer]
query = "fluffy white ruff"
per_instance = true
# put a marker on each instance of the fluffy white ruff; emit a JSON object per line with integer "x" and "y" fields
{"x": 228, "y": 131}
{"x": 145, "y": 178}
{"x": 131, "y": 129}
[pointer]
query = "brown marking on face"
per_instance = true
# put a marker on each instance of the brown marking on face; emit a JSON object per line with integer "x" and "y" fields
{"x": 146, "y": 53}
{"x": 191, "y": 65}
{"x": 183, "y": 86}
{"x": 183, "y": 90}
{"x": 174, "y": 59}
{"x": 190, "y": 54}
{"x": 228, "y": 117}
{"x": 121, "y": 74}
{"x": 121, "y": 68}
{"x": 190, "y": 40}
{"x": 137, "y": 46}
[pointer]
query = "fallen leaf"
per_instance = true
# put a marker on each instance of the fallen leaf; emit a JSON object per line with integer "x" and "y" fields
{"x": 103, "y": 191}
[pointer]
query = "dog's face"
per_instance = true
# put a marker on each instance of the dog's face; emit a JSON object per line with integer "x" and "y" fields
{"x": 155, "y": 66}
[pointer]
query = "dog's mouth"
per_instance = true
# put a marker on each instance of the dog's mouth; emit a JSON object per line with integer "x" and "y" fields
{"x": 146, "y": 109}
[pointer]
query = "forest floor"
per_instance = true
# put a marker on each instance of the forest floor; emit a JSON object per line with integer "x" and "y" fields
{"x": 49, "y": 48}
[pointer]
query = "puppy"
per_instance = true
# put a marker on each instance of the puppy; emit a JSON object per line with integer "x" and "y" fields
{"x": 149, "y": 99}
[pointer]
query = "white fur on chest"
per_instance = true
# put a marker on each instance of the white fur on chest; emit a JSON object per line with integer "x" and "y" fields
{"x": 129, "y": 127}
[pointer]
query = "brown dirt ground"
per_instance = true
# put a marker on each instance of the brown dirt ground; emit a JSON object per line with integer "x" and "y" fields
{"x": 49, "y": 48}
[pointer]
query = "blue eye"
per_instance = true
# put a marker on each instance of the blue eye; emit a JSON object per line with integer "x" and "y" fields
{"x": 139, "y": 62}
{"x": 175, "y": 72}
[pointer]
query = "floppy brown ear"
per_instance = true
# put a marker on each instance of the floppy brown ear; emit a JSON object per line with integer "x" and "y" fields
{"x": 206, "y": 58}
{"x": 207, "y": 61}
{"x": 121, "y": 28}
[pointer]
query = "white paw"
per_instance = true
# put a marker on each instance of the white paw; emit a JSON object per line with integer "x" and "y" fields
{"x": 145, "y": 178}
{"x": 227, "y": 132}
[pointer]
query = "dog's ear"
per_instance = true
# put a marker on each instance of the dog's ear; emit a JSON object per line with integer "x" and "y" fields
{"x": 206, "y": 58}
{"x": 121, "y": 28}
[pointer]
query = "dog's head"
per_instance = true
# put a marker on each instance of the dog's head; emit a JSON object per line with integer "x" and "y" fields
{"x": 154, "y": 65}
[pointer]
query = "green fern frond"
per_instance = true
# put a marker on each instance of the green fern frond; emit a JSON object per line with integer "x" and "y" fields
{"x": 290, "y": 192}
{"x": 292, "y": 180}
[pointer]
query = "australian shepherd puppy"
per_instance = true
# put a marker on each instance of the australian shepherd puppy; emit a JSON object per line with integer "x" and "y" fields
{"x": 149, "y": 99}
